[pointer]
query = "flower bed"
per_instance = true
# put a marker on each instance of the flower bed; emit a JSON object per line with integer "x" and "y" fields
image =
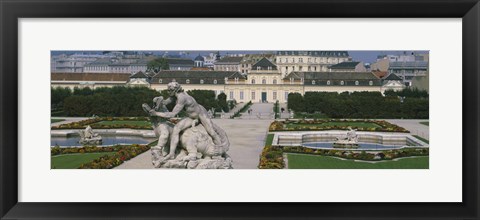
{"x": 316, "y": 125}
{"x": 111, "y": 161}
{"x": 122, "y": 154}
{"x": 272, "y": 156}
{"x": 93, "y": 123}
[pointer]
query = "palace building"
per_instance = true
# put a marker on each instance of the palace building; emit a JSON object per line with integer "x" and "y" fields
{"x": 265, "y": 82}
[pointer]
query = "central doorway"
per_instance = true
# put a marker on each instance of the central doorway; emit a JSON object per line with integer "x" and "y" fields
{"x": 264, "y": 96}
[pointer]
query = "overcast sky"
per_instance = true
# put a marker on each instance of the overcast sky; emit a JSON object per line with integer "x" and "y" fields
{"x": 367, "y": 56}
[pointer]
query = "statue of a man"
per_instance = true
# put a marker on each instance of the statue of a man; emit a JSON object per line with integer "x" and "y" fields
{"x": 89, "y": 132}
{"x": 194, "y": 112}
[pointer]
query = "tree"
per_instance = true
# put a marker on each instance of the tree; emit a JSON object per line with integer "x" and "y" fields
{"x": 295, "y": 102}
{"x": 158, "y": 64}
{"x": 222, "y": 102}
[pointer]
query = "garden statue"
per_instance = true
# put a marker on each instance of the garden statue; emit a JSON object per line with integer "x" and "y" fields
{"x": 88, "y": 137}
{"x": 350, "y": 141}
{"x": 194, "y": 141}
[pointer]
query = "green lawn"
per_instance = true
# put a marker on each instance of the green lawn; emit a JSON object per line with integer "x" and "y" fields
{"x": 340, "y": 123}
{"x": 135, "y": 123}
{"x": 425, "y": 123}
{"x": 269, "y": 140}
{"x": 56, "y": 120}
{"x": 302, "y": 161}
{"x": 73, "y": 161}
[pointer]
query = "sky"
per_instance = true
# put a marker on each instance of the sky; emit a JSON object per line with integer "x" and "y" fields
{"x": 367, "y": 56}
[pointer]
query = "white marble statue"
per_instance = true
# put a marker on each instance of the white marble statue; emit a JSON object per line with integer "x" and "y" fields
{"x": 88, "y": 137}
{"x": 194, "y": 141}
{"x": 349, "y": 141}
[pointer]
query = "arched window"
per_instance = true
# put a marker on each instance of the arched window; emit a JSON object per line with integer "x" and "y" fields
{"x": 201, "y": 81}
{"x": 370, "y": 83}
{"x": 253, "y": 81}
{"x": 264, "y": 81}
{"x": 356, "y": 83}
{"x": 214, "y": 81}
{"x": 187, "y": 81}
{"x": 313, "y": 82}
{"x": 160, "y": 81}
{"x": 342, "y": 83}
{"x": 274, "y": 81}
{"x": 328, "y": 82}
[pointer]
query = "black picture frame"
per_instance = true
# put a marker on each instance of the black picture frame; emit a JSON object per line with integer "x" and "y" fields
{"x": 12, "y": 10}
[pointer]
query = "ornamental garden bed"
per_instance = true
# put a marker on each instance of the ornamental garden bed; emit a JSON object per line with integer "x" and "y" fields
{"x": 108, "y": 123}
{"x": 272, "y": 157}
{"x": 335, "y": 124}
{"x": 93, "y": 157}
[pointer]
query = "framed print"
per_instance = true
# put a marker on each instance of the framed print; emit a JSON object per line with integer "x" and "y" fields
{"x": 160, "y": 109}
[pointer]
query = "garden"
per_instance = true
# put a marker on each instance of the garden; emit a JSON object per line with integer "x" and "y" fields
{"x": 92, "y": 157}
{"x": 108, "y": 123}
{"x": 335, "y": 124}
{"x": 272, "y": 157}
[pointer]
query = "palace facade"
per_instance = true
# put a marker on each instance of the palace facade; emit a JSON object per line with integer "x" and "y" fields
{"x": 264, "y": 83}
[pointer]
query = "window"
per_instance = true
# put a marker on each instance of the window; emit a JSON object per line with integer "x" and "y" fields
{"x": 301, "y": 68}
{"x": 275, "y": 81}
{"x": 259, "y": 68}
{"x": 274, "y": 95}
{"x": 253, "y": 96}
{"x": 173, "y": 80}
{"x": 201, "y": 81}
{"x": 342, "y": 83}
{"x": 370, "y": 83}
{"x": 300, "y": 60}
{"x": 264, "y": 81}
{"x": 214, "y": 81}
{"x": 313, "y": 82}
{"x": 231, "y": 94}
{"x": 328, "y": 82}
{"x": 187, "y": 81}
{"x": 356, "y": 83}
{"x": 241, "y": 95}
{"x": 253, "y": 81}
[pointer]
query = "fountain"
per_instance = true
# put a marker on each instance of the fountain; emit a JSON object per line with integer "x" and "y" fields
{"x": 350, "y": 141}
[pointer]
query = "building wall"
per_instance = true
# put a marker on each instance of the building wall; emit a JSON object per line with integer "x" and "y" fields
{"x": 289, "y": 63}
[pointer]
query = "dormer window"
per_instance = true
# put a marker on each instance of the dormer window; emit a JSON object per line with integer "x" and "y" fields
{"x": 187, "y": 81}
{"x": 328, "y": 82}
{"x": 259, "y": 68}
{"x": 269, "y": 68}
{"x": 356, "y": 83}
{"x": 173, "y": 80}
{"x": 313, "y": 82}
{"x": 201, "y": 81}
{"x": 214, "y": 81}
{"x": 342, "y": 83}
{"x": 160, "y": 81}
{"x": 370, "y": 83}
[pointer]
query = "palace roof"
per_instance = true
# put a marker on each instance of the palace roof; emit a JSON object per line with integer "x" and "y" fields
{"x": 345, "y": 65}
{"x": 89, "y": 76}
{"x": 264, "y": 64}
{"x": 314, "y": 53}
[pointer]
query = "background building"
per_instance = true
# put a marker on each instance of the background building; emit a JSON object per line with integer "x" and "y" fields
{"x": 308, "y": 61}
